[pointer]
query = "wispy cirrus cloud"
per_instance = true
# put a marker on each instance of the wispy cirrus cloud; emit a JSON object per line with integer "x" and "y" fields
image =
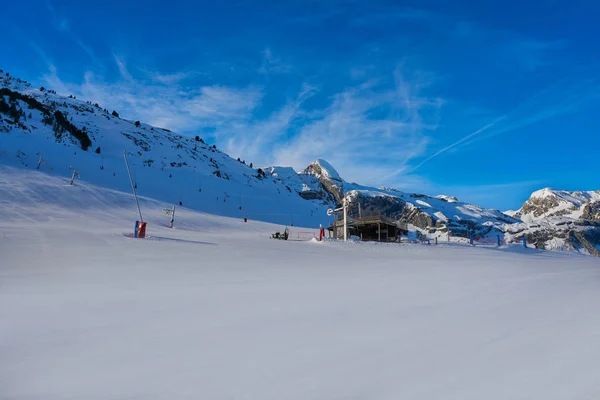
{"x": 564, "y": 97}
{"x": 371, "y": 131}
{"x": 273, "y": 64}
{"x": 123, "y": 71}
{"x": 256, "y": 139}
{"x": 169, "y": 79}
{"x": 220, "y": 104}
{"x": 151, "y": 100}
{"x": 59, "y": 21}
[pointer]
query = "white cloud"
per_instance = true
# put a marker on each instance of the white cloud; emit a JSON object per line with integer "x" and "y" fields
{"x": 120, "y": 61}
{"x": 169, "y": 79}
{"x": 272, "y": 64}
{"x": 182, "y": 110}
{"x": 370, "y": 131}
{"x": 221, "y": 104}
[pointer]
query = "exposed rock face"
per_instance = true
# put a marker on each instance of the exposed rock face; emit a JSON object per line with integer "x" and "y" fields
{"x": 539, "y": 206}
{"x": 424, "y": 212}
{"x": 591, "y": 211}
{"x": 588, "y": 239}
{"x": 387, "y": 205}
{"x": 328, "y": 177}
{"x": 416, "y": 217}
{"x": 556, "y": 203}
{"x": 307, "y": 186}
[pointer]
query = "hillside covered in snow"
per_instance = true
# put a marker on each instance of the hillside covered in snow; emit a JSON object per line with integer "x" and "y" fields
{"x": 58, "y": 134}
{"x": 67, "y": 133}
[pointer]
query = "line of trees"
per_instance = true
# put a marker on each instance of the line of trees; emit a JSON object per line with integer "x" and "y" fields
{"x": 61, "y": 123}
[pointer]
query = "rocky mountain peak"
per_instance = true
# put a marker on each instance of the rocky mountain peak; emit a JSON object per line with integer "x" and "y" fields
{"x": 321, "y": 168}
{"x": 549, "y": 202}
{"x": 328, "y": 177}
{"x": 543, "y": 193}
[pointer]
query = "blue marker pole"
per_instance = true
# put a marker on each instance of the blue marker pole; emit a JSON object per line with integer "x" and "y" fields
{"x": 524, "y": 242}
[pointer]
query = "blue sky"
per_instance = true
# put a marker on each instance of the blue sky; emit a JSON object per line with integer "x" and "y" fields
{"x": 487, "y": 101}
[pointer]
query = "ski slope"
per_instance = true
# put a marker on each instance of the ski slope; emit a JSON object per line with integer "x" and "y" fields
{"x": 214, "y": 309}
{"x": 164, "y": 165}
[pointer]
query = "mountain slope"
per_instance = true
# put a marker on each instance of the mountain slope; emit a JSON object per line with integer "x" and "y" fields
{"x": 64, "y": 134}
{"x": 165, "y": 166}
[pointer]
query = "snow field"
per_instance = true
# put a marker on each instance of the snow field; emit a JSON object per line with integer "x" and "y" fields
{"x": 215, "y": 309}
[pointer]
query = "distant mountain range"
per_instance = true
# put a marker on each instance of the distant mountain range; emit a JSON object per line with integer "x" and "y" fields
{"x": 59, "y": 132}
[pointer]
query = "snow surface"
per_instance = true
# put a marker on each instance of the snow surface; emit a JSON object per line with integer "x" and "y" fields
{"x": 214, "y": 309}
{"x": 423, "y": 203}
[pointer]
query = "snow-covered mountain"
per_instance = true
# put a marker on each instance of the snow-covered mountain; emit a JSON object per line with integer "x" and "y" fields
{"x": 62, "y": 134}
{"x": 433, "y": 216}
{"x": 558, "y": 219}
{"x": 66, "y": 132}
{"x": 549, "y": 203}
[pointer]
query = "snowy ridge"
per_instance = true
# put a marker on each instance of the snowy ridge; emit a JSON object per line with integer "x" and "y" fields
{"x": 327, "y": 171}
{"x": 559, "y": 220}
{"x": 39, "y": 125}
{"x": 550, "y": 203}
